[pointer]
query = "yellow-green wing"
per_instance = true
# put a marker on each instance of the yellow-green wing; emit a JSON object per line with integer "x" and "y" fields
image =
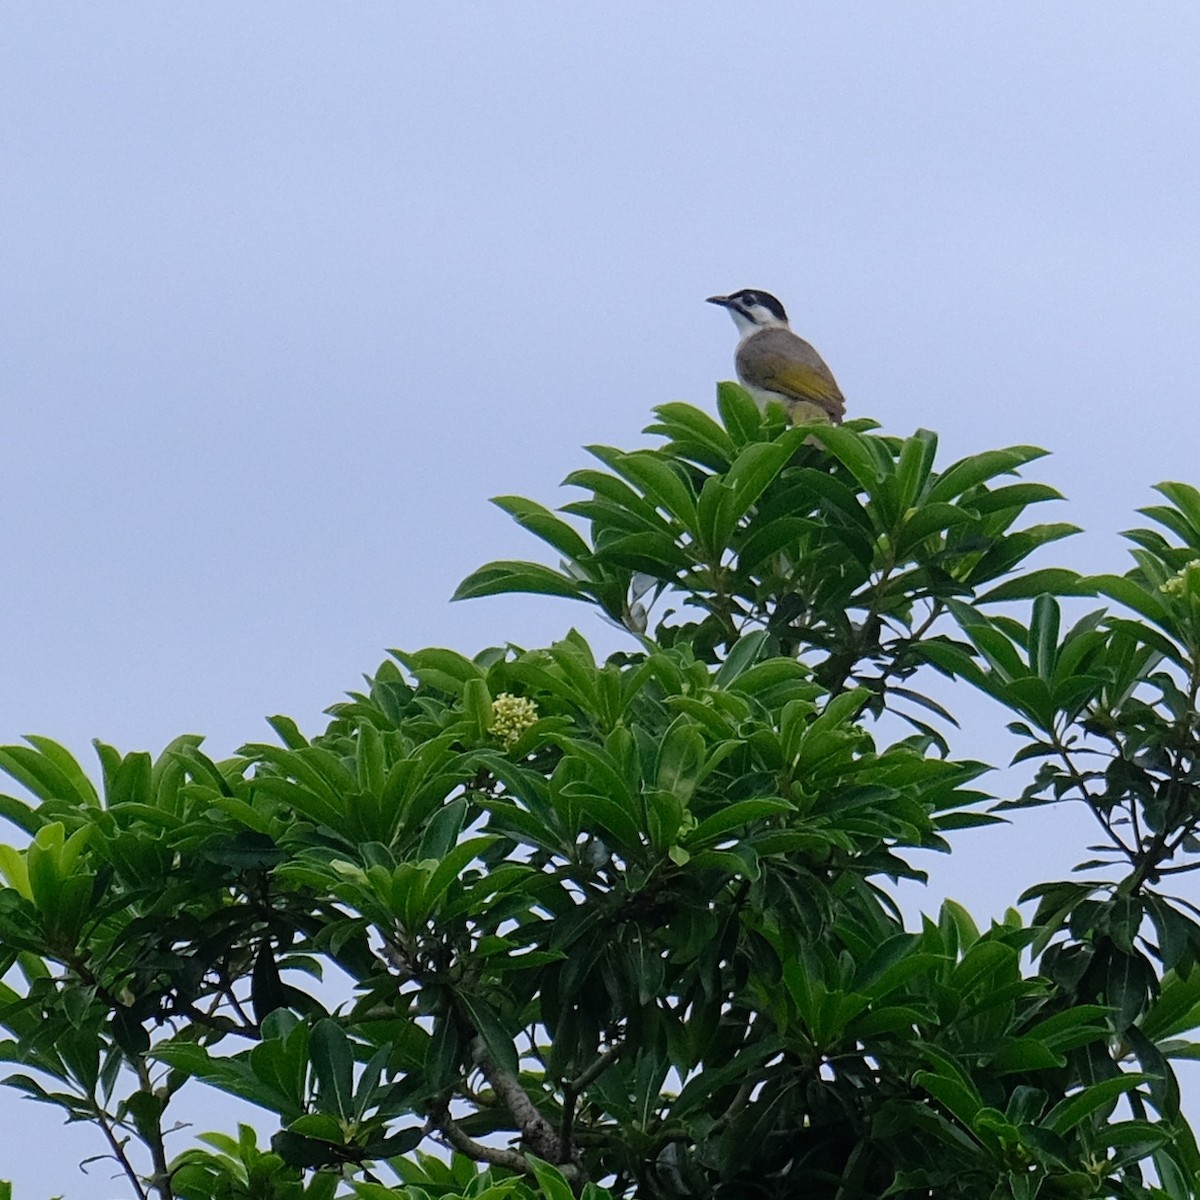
{"x": 776, "y": 360}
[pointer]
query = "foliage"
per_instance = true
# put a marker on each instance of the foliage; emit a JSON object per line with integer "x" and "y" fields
{"x": 625, "y": 927}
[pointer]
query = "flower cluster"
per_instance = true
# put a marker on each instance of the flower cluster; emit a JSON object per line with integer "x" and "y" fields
{"x": 511, "y": 716}
{"x": 1185, "y": 580}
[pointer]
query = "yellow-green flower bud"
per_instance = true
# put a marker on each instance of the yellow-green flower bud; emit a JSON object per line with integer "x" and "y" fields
{"x": 511, "y": 716}
{"x": 1186, "y": 579}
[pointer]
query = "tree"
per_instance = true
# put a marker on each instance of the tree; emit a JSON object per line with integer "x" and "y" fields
{"x": 624, "y": 928}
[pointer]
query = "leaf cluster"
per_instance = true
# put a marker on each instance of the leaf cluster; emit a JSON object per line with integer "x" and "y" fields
{"x": 528, "y": 923}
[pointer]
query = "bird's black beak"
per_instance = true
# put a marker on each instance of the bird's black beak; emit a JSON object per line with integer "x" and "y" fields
{"x": 724, "y": 301}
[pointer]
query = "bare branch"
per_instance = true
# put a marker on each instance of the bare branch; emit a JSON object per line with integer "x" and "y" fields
{"x": 573, "y": 1087}
{"x": 497, "y": 1156}
{"x": 153, "y": 1139}
{"x": 592, "y": 1073}
{"x": 536, "y": 1131}
{"x": 118, "y": 1148}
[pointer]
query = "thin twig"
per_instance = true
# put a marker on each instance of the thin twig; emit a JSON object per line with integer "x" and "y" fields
{"x": 215, "y": 1021}
{"x": 592, "y": 1073}
{"x": 573, "y": 1087}
{"x": 154, "y": 1140}
{"x": 740, "y": 1100}
{"x": 1089, "y": 799}
{"x": 118, "y": 1149}
{"x": 1162, "y": 848}
{"x": 1180, "y": 870}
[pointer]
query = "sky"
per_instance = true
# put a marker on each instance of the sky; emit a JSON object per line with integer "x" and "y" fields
{"x": 288, "y": 290}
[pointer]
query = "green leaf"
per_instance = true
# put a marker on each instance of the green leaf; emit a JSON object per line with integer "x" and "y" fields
{"x": 477, "y": 704}
{"x": 681, "y": 755}
{"x": 741, "y": 812}
{"x": 1012, "y": 549}
{"x": 893, "y": 964}
{"x": 298, "y": 1150}
{"x": 68, "y": 765}
{"x": 913, "y": 466}
{"x": 333, "y": 1066}
{"x": 21, "y": 815}
{"x": 684, "y": 423}
{"x": 1043, "y": 636}
{"x": 741, "y": 657}
{"x": 1012, "y": 497}
{"x": 1136, "y": 596}
{"x": 622, "y": 505}
{"x": 1128, "y": 986}
{"x": 660, "y": 484}
{"x": 756, "y": 467}
{"x": 45, "y": 778}
{"x": 551, "y": 1182}
{"x": 1177, "y": 1009}
{"x": 969, "y": 472}
{"x": 1075, "y": 1026}
{"x": 953, "y": 1094}
{"x": 234, "y": 1076}
{"x": 443, "y": 829}
{"x": 489, "y": 1027}
{"x": 1186, "y": 499}
{"x": 855, "y": 454}
{"x": 1057, "y": 581}
{"x": 739, "y": 412}
{"x": 289, "y": 734}
{"x": 1072, "y": 1111}
{"x": 502, "y": 577}
{"x": 452, "y": 866}
{"x": 770, "y": 674}
{"x": 928, "y": 519}
{"x": 540, "y": 521}
{"x": 1026, "y": 1054}
{"x": 715, "y": 518}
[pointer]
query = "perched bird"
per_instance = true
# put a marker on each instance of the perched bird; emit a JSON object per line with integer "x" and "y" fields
{"x": 774, "y": 364}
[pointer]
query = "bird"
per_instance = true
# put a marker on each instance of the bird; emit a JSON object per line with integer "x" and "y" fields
{"x": 773, "y": 363}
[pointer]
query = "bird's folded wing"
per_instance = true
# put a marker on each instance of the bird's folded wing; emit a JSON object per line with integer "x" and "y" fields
{"x": 779, "y": 361}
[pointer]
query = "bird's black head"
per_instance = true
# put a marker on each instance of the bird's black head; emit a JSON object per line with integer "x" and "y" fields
{"x": 752, "y": 307}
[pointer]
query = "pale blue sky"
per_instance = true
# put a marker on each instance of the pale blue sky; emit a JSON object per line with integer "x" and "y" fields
{"x": 289, "y": 289}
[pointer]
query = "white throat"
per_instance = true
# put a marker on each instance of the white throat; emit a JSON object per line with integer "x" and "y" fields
{"x": 747, "y": 327}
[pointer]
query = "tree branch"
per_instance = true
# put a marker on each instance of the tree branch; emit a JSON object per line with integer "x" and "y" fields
{"x": 536, "y": 1131}
{"x": 591, "y": 1074}
{"x": 496, "y": 1156}
{"x": 1091, "y": 802}
{"x": 153, "y": 1138}
{"x": 740, "y": 1100}
{"x": 118, "y": 1149}
{"x": 573, "y": 1087}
